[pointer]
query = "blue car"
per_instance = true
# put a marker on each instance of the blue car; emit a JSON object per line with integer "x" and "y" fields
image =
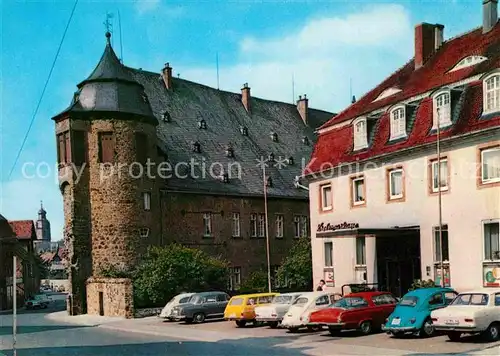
{"x": 412, "y": 314}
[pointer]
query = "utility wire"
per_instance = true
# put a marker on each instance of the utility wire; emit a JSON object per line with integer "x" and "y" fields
{"x": 43, "y": 91}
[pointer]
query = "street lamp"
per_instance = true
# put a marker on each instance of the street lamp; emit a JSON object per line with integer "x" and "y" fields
{"x": 440, "y": 207}
{"x": 267, "y": 228}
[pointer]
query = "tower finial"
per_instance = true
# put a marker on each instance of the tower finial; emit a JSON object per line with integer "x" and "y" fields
{"x": 109, "y": 28}
{"x": 41, "y": 204}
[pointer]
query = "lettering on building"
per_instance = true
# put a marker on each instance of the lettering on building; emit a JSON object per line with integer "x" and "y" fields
{"x": 331, "y": 227}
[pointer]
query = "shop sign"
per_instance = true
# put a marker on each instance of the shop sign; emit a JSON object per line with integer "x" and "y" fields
{"x": 328, "y": 276}
{"x": 331, "y": 227}
{"x": 491, "y": 275}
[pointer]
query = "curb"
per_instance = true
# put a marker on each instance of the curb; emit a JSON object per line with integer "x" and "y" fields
{"x": 74, "y": 320}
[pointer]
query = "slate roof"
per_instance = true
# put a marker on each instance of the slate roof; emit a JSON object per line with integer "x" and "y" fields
{"x": 111, "y": 89}
{"x": 335, "y": 146}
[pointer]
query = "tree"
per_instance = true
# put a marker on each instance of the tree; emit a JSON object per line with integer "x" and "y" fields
{"x": 167, "y": 271}
{"x": 296, "y": 268}
{"x": 255, "y": 283}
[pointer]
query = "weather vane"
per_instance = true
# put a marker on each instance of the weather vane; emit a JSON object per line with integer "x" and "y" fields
{"x": 107, "y": 23}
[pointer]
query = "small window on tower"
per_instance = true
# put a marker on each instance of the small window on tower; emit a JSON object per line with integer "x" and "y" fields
{"x": 106, "y": 147}
{"x": 78, "y": 139}
{"x": 141, "y": 146}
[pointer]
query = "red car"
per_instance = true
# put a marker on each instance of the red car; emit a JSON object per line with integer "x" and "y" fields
{"x": 363, "y": 311}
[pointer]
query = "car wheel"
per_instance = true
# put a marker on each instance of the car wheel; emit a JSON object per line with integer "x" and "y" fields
{"x": 427, "y": 329}
{"x": 366, "y": 327}
{"x": 454, "y": 335}
{"x": 273, "y": 324}
{"x": 199, "y": 318}
{"x": 293, "y": 330}
{"x": 241, "y": 323}
{"x": 334, "y": 331}
{"x": 493, "y": 332}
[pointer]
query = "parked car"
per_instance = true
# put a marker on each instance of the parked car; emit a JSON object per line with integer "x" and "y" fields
{"x": 241, "y": 308}
{"x": 179, "y": 299}
{"x": 274, "y": 312}
{"x": 297, "y": 315}
{"x": 38, "y": 301}
{"x": 363, "y": 311}
{"x": 477, "y": 311}
{"x": 413, "y": 313}
{"x": 201, "y": 306}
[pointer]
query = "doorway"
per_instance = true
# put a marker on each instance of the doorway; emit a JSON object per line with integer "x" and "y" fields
{"x": 101, "y": 303}
{"x": 398, "y": 262}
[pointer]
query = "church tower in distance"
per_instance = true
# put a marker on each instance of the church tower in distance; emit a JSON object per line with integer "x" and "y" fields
{"x": 104, "y": 137}
{"x": 42, "y": 225}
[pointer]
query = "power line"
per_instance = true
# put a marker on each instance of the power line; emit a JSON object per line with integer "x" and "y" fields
{"x": 43, "y": 91}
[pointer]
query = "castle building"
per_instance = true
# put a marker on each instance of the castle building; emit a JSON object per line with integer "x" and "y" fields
{"x": 405, "y": 182}
{"x": 147, "y": 159}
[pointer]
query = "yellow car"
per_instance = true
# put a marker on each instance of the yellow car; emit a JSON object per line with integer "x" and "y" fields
{"x": 241, "y": 308}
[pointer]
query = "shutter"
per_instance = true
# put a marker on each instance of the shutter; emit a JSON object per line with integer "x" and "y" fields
{"x": 60, "y": 149}
{"x": 67, "y": 147}
{"x": 78, "y": 147}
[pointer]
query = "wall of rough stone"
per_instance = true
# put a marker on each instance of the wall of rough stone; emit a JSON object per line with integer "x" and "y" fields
{"x": 117, "y": 297}
{"x": 183, "y": 222}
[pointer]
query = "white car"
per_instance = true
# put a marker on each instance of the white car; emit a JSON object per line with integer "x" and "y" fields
{"x": 477, "y": 311}
{"x": 274, "y": 312}
{"x": 179, "y": 299}
{"x": 298, "y": 314}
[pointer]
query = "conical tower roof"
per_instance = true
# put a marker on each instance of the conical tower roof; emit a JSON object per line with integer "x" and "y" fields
{"x": 110, "y": 89}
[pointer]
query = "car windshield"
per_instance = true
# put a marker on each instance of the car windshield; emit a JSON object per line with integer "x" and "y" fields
{"x": 471, "y": 299}
{"x": 409, "y": 301}
{"x": 236, "y": 301}
{"x": 350, "y": 303}
{"x": 282, "y": 299}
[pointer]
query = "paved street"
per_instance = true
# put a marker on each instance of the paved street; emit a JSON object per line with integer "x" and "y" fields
{"x": 39, "y": 335}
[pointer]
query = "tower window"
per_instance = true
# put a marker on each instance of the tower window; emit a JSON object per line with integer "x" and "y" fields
{"x": 141, "y": 147}
{"x": 63, "y": 148}
{"x": 79, "y": 149}
{"x": 106, "y": 147}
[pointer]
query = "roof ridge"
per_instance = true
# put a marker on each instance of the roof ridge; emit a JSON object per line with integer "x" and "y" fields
{"x": 462, "y": 34}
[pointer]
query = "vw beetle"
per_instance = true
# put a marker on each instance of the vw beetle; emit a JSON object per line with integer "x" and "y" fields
{"x": 412, "y": 314}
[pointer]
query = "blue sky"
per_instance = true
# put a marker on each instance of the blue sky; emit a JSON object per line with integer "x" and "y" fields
{"x": 323, "y": 44}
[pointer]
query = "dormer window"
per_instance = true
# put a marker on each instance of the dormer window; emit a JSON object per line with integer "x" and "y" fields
{"x": 244, "y": 130}
{"x": 166, "y": 117}
{"x": 274, "y": 136}
{"x": 269, "y": 182}
{"x": 290, "y": 161}
{"x": 229, "y": 151}
{"x": 196, "y": 147}
{"x": 491, "y": 90}
{"x": 271, "y": 157}
{"x": 442, "y": 110}
{"x": 202, "y": 124}
{"x": 360, "y": 134}
{"x": 305, "y": 140}
{"x": 398, "y": 123}
{"x": 468, "y": 62}
{"x": 388, "y": 92}
{"x": 225, "y": 178}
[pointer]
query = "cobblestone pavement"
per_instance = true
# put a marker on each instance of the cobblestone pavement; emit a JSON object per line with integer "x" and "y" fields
{"x": 42, "y": 334}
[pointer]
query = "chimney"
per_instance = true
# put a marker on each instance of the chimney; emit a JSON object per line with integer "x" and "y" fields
{"x": 167, "y": 76}
{"x": 428, "y": 38}
{"x": 302, "y": 108}
{"x": 245, "y": 96}
{"x": 490, "y": 14}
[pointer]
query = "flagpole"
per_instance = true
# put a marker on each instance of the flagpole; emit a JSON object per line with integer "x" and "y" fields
{"x": 14, "y": 304}
{"x": 438, "y": 147}
{"x": 267, "y": 230}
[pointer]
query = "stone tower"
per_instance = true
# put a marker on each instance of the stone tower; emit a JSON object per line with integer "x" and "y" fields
{"x": 104, "y": 139}
{"x": 42, "y": 225}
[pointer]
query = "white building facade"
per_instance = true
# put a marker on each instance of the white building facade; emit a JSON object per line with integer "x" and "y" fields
{"x": 374, "y": 183}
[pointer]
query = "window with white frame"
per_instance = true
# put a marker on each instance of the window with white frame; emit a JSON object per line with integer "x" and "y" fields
{"x": 234, "y": 278}
{"x": 358, "y": 191}
{"x": 147, "y": 200}
{"x": 236, "y": 224}
{"x": 326, "y": 197}
{"x": 490, "y": 165}
{"x": 442, "y": 110}
{"x": 262, "y": 225}
{"x": 437, "y": 244}
{"x": 398, "y": 123}
{"x": 207, "y": 224}
{"x": 439, "y": 178}
{"x": 253, "y": 225}
{"x": 279, "y": 225}
{"x": 328, "y": 248}
{"x": 491, "y": 89}
{"x": 360, "y": 251}
{"x": 304, "y": 222}
{"x": 491, "y": 240}
{"x": 360, "y": 134}
{"x": 396, "y": 184}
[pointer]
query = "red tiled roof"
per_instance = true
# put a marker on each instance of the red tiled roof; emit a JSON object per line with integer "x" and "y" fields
{"x": 434, "y": 74}
{"x": 24, "y": 229}
{"x": 336, "y": 146}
